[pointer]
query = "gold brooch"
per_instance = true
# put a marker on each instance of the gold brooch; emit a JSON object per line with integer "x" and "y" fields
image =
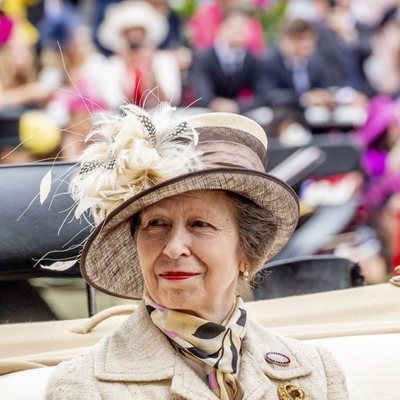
{"x": 286, "y": 391}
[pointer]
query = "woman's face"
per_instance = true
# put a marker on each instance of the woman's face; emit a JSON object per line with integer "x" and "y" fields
{"x": 189, "y": 250}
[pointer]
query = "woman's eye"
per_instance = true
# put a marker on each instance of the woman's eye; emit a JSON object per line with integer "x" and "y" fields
{"x": 201, "y": 224}
{"x": 156, "y": 223}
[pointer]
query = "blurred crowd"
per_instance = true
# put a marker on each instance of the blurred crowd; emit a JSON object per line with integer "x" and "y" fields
{"x": 296, "y": 66}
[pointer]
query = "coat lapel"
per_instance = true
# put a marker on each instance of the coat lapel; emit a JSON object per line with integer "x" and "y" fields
{"x": 256, "y": 374}
{"x": 252, "y": 377}
{"x": 151, "y": 358}
{"x": 129, "y": 353}
{"x": 187, "y": 384}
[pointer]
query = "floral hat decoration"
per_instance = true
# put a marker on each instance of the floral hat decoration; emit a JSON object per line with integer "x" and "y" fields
{"x": 137, "y": 159}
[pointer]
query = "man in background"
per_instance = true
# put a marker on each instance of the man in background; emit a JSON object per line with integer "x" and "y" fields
{"x": 227, "y": 77}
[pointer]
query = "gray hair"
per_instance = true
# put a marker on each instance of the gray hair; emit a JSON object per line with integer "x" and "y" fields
{"x": 257, "y": 229}
{"x": 256, "y": 226}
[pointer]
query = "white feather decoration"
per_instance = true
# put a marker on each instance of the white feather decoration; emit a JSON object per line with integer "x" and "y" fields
{"x": 60, "y": 265}
{"x": 136, "y": 151}
{"x": 84, "y": 205}
{"x": 45, "y": 187}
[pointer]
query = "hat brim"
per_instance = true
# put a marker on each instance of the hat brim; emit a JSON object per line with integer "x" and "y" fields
{"x": 109, "y": 260}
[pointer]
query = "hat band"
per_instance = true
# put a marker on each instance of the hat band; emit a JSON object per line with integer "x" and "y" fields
{"x": 218, "y": 153}
{"x": 221, "y": 134}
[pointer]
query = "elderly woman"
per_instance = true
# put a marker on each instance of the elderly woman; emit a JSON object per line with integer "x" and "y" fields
{"x": 186, "y": 216}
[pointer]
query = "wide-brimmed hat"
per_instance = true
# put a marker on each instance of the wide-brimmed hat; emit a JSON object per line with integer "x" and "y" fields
{"x": 130, "y": 14}
{"x": 145, "y": 159}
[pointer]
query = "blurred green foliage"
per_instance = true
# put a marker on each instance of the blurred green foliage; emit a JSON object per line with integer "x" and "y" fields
{"x": 271, "y": 17}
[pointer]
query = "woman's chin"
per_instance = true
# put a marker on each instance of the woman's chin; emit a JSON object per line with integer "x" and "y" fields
{"x": 180, "y": 298}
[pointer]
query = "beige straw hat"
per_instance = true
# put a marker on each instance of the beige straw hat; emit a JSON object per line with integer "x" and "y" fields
{"x": 145, "y": 159}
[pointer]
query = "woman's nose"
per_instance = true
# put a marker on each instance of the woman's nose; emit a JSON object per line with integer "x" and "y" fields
{"x": 177, "y": 243}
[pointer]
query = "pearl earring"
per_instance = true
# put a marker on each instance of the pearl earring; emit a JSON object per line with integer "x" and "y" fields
{"x": 246, "y": 275}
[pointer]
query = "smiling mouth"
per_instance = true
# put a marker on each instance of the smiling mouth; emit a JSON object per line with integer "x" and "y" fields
{"x": 178, "y": 275}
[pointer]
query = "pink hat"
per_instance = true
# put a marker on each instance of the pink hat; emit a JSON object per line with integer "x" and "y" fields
{"x": 6, "y": 28}
{"x": 383, "y": 112}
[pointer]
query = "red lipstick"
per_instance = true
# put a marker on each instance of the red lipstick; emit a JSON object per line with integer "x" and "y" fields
{"x": 178, "y": 275}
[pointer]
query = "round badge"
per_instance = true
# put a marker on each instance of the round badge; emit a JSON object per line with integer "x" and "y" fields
{"x": 277, "y": 358}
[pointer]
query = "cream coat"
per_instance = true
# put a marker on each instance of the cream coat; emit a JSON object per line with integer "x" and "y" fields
{"x": 137, "y": 362}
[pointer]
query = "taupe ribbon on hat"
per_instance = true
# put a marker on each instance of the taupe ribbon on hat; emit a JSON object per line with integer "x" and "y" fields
{"x": 229, "y": 154}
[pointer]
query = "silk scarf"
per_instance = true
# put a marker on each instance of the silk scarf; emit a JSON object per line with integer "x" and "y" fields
{"x": 215, "y": 346}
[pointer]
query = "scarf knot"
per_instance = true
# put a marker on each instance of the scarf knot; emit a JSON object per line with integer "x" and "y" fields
{"x": 215, "y": 346}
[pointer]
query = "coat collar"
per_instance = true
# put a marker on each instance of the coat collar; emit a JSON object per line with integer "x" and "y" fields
{"x": 152, "y": 358}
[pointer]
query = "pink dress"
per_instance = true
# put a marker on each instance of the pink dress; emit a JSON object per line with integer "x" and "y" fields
{"x": 204, "y": 24}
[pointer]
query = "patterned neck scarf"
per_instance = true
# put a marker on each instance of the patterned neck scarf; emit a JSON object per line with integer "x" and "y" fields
{"x": 216, "y": 346}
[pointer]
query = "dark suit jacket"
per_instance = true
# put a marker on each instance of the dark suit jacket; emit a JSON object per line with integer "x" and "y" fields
{"x": 280, "y": 88}
{"x": 209, "y": 80}
{"x": 339, "y": 58}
